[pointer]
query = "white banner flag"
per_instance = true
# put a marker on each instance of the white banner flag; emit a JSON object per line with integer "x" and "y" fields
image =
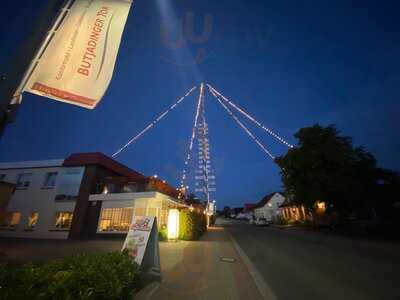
{"x": 78, "y": 63}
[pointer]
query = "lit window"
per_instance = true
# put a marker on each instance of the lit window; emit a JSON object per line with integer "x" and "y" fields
{"x": 10, "y": 220}
{"x": 140, "y": 211}
{"x": 63, "y": 220}
{"x": 50, "y": 180}
{"x": 24, "y": 180}
{"x": 115, "y": 219}
{"x": 130, "y": 188}
{"x": 32, "y": 220}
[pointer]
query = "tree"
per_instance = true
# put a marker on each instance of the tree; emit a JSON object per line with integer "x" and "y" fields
{"x": 227, "y": 211}
{"x": 326, "y": 167}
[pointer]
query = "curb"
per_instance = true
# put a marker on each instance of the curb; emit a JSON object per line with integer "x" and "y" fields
{"x": 282, "y": 226}
{"x": 263, "y": 288}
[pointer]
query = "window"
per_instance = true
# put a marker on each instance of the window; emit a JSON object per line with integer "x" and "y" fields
{"x": 2, "y": 177}
{"x": 109, "y": 188}
{"x": 130, "y": 188}
{"x": 115, "y": 219}
{"x": 63, "y": 220}
{"x": 50, "y": 180}
{"x": 32, "y": 220}
{"x": 24, "y": 180}
{"x": 10, "y": 220}
{"x": 140, "y": 211}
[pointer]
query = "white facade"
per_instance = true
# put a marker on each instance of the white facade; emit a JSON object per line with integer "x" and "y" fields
{"x": 270, "y": 210}
{"x": 38, "y": 184}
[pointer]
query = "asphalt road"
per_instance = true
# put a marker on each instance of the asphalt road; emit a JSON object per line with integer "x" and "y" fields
{"x": 299, "y": 264}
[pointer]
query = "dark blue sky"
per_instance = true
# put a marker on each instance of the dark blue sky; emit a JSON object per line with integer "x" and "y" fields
{"x": 290, "y": 63}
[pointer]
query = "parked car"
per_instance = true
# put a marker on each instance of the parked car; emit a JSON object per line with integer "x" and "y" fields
{"x": 262, "y": 222}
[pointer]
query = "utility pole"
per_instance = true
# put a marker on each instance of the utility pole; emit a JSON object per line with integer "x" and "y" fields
{"x": 11, "y": 79}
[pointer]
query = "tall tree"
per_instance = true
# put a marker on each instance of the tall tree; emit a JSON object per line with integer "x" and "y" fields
{"x": 325, "y": 166}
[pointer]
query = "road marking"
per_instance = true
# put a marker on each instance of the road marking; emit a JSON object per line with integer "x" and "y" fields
{"x": 227, "y": 259}
{"x": 263, "y": 288}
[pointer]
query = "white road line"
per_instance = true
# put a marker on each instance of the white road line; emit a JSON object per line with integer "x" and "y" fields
{"x": 264, "y": 289}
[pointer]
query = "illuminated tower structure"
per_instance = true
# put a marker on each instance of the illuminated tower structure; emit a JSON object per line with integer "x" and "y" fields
{"x": 204, "y": 176}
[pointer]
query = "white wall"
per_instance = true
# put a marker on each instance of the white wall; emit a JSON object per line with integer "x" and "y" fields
{"x": 271, "y": 209}
{"x": 37, "y": 199}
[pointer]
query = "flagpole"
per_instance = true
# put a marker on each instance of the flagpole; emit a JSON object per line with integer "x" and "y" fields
{"x": 17, "y": 98}
{"x": 10, "y": 94}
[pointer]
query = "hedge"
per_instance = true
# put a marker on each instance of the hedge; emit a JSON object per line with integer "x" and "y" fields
{"x": 163, "y": 233}
{"x": 107, "y": 276}
{"x": 192, "y": 225}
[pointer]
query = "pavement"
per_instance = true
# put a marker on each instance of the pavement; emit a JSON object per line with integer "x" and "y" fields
{"x": 301, "y": 264}
{"x": 235, "y": 260}
{"x": 210, "y": 268}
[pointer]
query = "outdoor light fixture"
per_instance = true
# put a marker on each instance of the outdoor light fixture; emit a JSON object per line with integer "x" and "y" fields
{"x": 173, "y": 224}
{"x": 105, "y": 190}
{"x": 191, "y": 208}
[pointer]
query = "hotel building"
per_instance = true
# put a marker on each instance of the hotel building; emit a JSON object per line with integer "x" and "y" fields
{"x": 86, "y": 195}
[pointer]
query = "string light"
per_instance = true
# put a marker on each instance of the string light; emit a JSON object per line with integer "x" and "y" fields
{"x": 248, "y": 116}
{"x": 194, "y": 129}
{"x": 148, "y": 127}
{"x": 243, "y": 126}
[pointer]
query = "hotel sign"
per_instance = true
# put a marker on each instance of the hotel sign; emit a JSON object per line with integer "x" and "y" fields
{"x": 78, "y": 63}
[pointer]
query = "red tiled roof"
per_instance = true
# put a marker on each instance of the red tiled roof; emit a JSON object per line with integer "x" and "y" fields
{"x": 127, "y": 174}
{"x": 98, "y": 158}
{"x": 249, "y": 207}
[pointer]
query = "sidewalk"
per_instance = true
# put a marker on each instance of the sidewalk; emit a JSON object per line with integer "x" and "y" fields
{"x": 194, "y": 270}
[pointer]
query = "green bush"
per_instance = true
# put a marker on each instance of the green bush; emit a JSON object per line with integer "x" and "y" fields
{"x": 108, "y": 276}
{"x": 163, "y": 233}
{"x": 192, "y": 225}
{"x": 213, "y": 218}
{"x": 282, "y": 221}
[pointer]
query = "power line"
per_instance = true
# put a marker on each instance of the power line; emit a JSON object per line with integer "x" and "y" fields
{"x": 248, "y": 116}
{"x": 243, "y": 126}
{"x": 151, "y": 125}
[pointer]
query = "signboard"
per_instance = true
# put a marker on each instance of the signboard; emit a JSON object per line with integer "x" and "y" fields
{"x": 142, "y": 242}
{"x": 78, "y": 63}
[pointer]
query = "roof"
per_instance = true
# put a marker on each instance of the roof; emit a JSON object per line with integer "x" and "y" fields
{"x": 98, "y": 158}
{"x": 249, "y": 207}
{"x": 265, "y": 200}
{"x": 32, "y": 164}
